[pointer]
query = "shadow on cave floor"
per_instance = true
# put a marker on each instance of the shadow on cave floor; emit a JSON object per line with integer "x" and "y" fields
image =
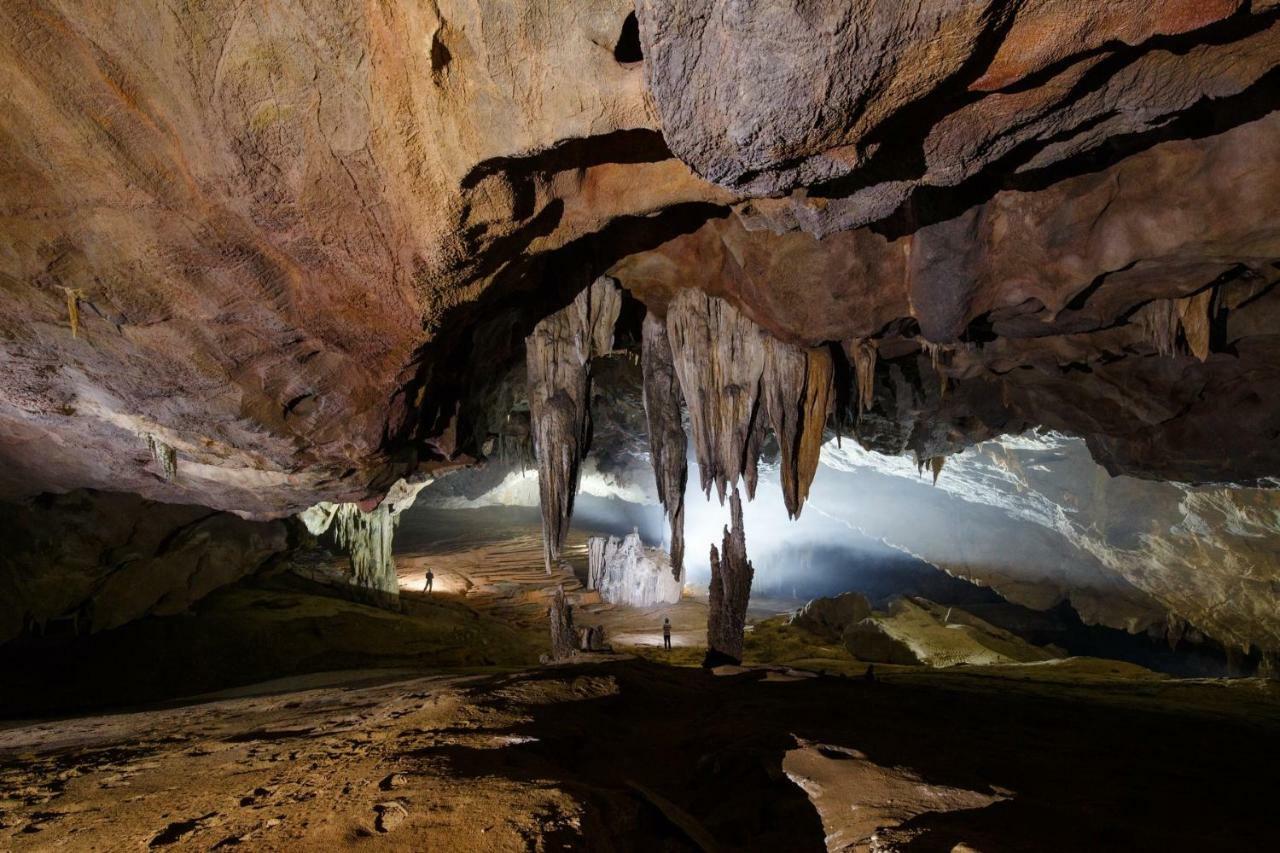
{"x": 632, "y": 755}
{"x": 1083, "y": 775}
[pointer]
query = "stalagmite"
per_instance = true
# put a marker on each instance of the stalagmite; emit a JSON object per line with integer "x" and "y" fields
{"x": 563, "y": 639}
{"x": 668, "y": 446}
{"x": 719, "y": 359}
{"x": 558, "y": 357}
{"x": 797, "y": 396}
{"x": 165, "y": 456}
{"x": 729, "y": 592}
{"x": 626, "y": 572}
{"x": 863, "y": 353}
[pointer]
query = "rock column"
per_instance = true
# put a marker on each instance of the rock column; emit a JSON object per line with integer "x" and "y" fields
{"x": 558, "y": 358}
{"x": 730, "y": 590}
{"x": 668, "y": 446}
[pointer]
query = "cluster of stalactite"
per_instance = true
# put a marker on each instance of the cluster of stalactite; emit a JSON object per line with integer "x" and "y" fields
{"x": 366, "y": 536}
{"x": 367, "y": 539}
{"x": 737, "y": 381}
{"x": 558, "y": 358}
{"x": 668, "y": 446}
{"x": 729, "y": 592}
{"x": 1170, "y": 322}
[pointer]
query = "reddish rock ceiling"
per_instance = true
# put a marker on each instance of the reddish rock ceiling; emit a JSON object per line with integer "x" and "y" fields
{"x": 305, "y": 243}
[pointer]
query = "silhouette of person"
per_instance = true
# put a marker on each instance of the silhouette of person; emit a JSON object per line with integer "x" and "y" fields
{"x": 431, "y": 579}
{"x": 666, "y": 633}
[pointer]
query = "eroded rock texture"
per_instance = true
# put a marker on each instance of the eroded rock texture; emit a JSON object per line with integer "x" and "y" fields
{"x": 728, "y": 592}
{"x": 860, "y": 107}
{"x": 626, "y": 572}
{"x": 558, "y": 355}
{"x": 668, "y": 447}
{"x": 91, "y": 561}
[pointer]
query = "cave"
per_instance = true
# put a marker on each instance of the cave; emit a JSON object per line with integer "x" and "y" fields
{"x": 640, "y": 425}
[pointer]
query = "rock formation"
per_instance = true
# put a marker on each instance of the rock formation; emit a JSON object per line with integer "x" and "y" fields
{"x": 828, "y": 617}
{"x": 260, "y": 258}
{"x": 366, "y": 535}
{"x": 736, "y": 379}
{"x": 916, "y": 631}
{"x": 91, "y": 561}
{"x": 564, "y": 639}
{"x": 668, "y": 447}
{"x": 729, "y": 592}
{"x": 558, "y": 355}
{"x": 626, "y": 572}
{"x": 797, "y": 396}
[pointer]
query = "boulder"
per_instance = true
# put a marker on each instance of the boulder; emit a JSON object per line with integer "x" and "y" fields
{"x": 829, "y": 617}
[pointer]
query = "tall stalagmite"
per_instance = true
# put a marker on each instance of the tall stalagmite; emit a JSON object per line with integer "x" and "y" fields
{"x": 563, "y": 639}
{"x": 797, "y": 395}
{"x": 729, "y": 592}
{"x": 558, "y": 357}
{"x": 668, "y": 446}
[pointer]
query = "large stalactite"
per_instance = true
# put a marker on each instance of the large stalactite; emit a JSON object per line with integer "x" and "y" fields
{"x": 558, "y": 357}
{"x": 719, "y": 358}
{"x": 668, "y": 446}
{"x": 797, "y": 395}
{"x": 729, "y": 592}
{"x": 737, "y": 380}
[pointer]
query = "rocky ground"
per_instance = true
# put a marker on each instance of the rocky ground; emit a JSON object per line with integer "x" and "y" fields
{"x": 633, "y": 755}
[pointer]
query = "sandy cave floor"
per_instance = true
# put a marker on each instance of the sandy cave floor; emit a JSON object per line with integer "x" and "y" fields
{"x": 797, "y": 752}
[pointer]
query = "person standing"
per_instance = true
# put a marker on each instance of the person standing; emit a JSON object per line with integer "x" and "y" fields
{"x": 431, "y": 579}
{"x": 666, "y": 633}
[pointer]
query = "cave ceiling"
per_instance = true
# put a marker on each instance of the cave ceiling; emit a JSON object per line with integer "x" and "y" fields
{"x": 256, "y": 256}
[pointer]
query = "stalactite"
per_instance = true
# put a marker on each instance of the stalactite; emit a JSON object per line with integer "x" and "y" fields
{"x": 1160, "y": 321}
{"x": 563, "y": 640}
{"x": 797, "y": 397}
{"x": 1164, "y": 320}
{"x": 729, "y": 592}
{"x": 935, "y": 465}
{"x": 366, "y": 537}
{"x": 863, "y": 353}
{"x": 74, "y": 296}
{"x": 719, "y": 360}
{"x": 164, "y": 456}
{"x": 558, "y": 355}
{"x": 668, "y": 446}
{"x": 1195, "y": 313}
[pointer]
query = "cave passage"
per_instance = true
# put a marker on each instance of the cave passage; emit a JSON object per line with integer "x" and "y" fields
{"x": 640, "y": 425}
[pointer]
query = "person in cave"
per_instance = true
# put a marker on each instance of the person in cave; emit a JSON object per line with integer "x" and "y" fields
{"x": 666, "y": 633}
{"x": 431, "y": 579}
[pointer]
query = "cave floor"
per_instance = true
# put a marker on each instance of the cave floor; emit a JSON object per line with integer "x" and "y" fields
{"x": 628, "y": 754}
